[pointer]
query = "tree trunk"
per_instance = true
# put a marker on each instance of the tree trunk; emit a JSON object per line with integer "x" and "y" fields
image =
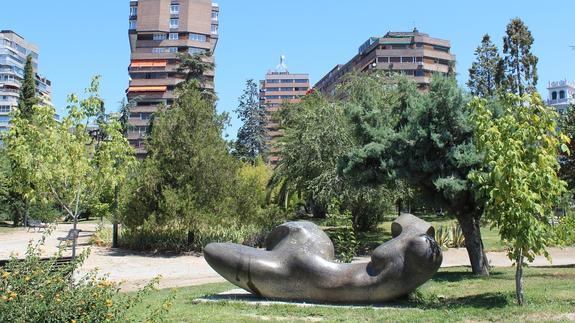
{"x": 474, "y": 244}
{"x": 191, "y": 237}
{"x": 519, "y": 279}
{"x": 115, "y": 219}
{"x": 74, "y": 237}
{"x": 27, "y": 213}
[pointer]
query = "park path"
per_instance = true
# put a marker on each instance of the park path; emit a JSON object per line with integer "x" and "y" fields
{"x": 136, "y": 269}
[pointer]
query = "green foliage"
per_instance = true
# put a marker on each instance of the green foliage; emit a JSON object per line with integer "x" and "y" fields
{"x": 33, "y": 290}
{"x": 344, "y": 238}
{"x": 519, "y": 180}
{"x": 483, "y": 72}
{"x": 519, "y": 65}
{"x": 450, "y": 236}
{"x": 424, "y": 140}
{"x": 251, "y": 142}
{"x": 28, "y": 98}
{"x": 567, "y": 161}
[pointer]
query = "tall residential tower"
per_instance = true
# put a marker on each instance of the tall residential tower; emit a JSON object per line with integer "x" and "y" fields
{"x": 280, "y": 86}
{"x": 414, "y": 54}
{"x": 14, "y": 50}
{"x": 159, "y": 30}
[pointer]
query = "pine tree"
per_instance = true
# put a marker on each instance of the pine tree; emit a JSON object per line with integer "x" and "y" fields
{"x": 28, "y": 96}
{"x": 483, "y": 72}
{"x": 519, "y": 64}
{"x": 251, "y": 141}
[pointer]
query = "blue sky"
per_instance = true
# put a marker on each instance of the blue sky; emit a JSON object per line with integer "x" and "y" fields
{"x": 78, "y": 39}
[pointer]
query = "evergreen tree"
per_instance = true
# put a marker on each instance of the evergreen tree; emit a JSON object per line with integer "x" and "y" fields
{"x": 251, "y": 141}
{"x": 519, "y": 65}
{"x": 28, "y": 91}
{"x": 483, "y": 72}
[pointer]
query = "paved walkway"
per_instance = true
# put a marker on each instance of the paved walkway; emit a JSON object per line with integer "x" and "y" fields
{"x": 136, "y": 269}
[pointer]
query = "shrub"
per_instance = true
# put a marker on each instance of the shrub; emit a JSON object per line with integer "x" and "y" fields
{"x": 33, "y": 290}
{"x": 102, "y": 237}
{"x": 343, "y": 236}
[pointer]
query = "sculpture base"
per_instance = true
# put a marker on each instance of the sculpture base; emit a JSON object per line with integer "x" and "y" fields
{"x": 244, "y": 297}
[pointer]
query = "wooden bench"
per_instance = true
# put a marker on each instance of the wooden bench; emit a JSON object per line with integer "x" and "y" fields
{"x": 36, "y": 224}
{"x": 59, "y": 263}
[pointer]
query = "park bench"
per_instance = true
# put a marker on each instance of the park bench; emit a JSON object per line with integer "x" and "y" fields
{"x": 58, "y": 264}
{"x": 72, "y": 235}
{"x": 36, "y": 224}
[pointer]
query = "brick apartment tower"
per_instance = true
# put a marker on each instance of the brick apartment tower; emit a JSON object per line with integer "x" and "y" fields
{"x": 413, "y": 54}
{"x": 158, "y": 31}
{"x": 280, "y": 86}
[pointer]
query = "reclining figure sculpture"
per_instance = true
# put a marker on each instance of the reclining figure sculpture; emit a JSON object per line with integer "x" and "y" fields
{"x": 299, "y": 264}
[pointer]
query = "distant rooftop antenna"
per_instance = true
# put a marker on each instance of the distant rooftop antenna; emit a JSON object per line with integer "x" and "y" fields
{"x": 282, "y": 67}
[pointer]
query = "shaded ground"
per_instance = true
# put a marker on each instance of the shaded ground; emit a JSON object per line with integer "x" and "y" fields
{"x": 136, "y": 269}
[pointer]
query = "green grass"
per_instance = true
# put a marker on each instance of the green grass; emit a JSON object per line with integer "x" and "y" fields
{"x": 453, "y": 295}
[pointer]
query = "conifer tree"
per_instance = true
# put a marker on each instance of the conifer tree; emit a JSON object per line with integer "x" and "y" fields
{"x": 519, "y": 65}
{"x": 251, "y": 141}
{"x": 483, "y": 72}
{"x": 28, "y": 91}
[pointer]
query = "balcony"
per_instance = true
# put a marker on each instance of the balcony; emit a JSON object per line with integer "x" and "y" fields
{"x": 560, "y": 101}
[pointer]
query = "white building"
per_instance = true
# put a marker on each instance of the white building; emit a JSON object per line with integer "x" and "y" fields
{"x": 561, "y": 95}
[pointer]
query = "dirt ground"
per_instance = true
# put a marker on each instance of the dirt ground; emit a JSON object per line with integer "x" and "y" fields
{"x": 136, "y": 269}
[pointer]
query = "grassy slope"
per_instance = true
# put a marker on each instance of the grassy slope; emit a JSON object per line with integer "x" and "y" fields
{"x": 453, "y": 295}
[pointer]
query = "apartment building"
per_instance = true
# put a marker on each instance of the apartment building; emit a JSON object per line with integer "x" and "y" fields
{"x": 159, "y": 30}
{"x": 279, "y": 87}
{"x": 14, "y": 50}
{"x": 414, "y": 54}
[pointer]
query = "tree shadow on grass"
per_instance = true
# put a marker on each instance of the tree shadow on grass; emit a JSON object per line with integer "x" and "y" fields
{"x": 450, "y": 276}
{"x": 483, "y": 301}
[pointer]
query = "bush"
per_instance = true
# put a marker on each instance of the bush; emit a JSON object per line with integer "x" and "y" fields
{"x": 343, "y": 236}
{"x": 33, "y": 290}
{"x": 102, "y": 237}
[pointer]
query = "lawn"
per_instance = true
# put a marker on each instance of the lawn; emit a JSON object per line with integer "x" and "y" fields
{"x": 453, "y": 295}
{"x": 6, "y": 227}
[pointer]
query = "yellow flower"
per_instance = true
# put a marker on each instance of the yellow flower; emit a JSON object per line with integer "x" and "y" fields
{"x": 5, "y": 274}
{"x": 4, "y": 298}
{"x": 13, "y": 295}
{"x": 109, "y": 315}
{"x": 73, "y": 321}
{"x": 27, "y": 278}
{"x": 109, "y": 303}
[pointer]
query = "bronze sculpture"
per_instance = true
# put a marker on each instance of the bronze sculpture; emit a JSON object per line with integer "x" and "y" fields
{"x": 299, "y": 264}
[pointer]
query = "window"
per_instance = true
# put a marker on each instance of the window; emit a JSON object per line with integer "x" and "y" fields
{"x": 419, "y": 59}
{"x": 172, "y": 49}
{"x": 286, "y": 89}
{"x": 198, "y": 37}
{"x": 301, "y": 81}
{"x": 215, "y": 29}
{"x": 273, "y": 81}
{"x": 215, "y": 15}
{"x": 4, "y": 108}
{"x": 175, "y": 9}
{"x": 132, "y": 24}
{"x": 407, "y": 59}
{"x": 196, "y": 51}
{"x": 399, "y": 46}
{"x": 561, "y": 95}
{"x": 395, "y": 59}
{"x": 554, "y": 95}
{"x": 383, "y": 59}
{"x": 286, "y": 81}
{"x": 159, "y": 36}
{"x": 5, "y": 119}
{"x": 420, "y": 73}
{"x": 174, "y": 23}
{"x": 133, "y": 11}
{"x": 441, "y": 48}
{"x": 174, "y": 36}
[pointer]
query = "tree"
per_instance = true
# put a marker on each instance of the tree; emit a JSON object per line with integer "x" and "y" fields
{"x": 567, "y": 161}
{"x": 28, "y": 96}
{"x": 519, "y": 65}
{"x": 195, "y": 67}
{"x": 187, "y": 178}
{"x": 428, "y": 143}
{"x": 483, "y": 72}
{"x": 60, "y": 159}
{"x": 519, "y": 180}
{"x": 251, "y": 142}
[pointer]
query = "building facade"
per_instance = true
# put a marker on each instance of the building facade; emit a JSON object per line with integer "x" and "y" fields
{"x": 414, "y": 54}
{"x": 279, "y": 87}
{"x": 561, "y": 95}
{"x": 14, "y": 50}
{"x": 159, "y": 30}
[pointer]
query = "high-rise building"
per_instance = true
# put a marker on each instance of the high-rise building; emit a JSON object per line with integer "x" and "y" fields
{"x": 561, "y": 95}
{"x": 280, "y": 86}
{"x": 158, "y": 31}
{"x": 413, "y": 54}
{"x": 14, "y": 50}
